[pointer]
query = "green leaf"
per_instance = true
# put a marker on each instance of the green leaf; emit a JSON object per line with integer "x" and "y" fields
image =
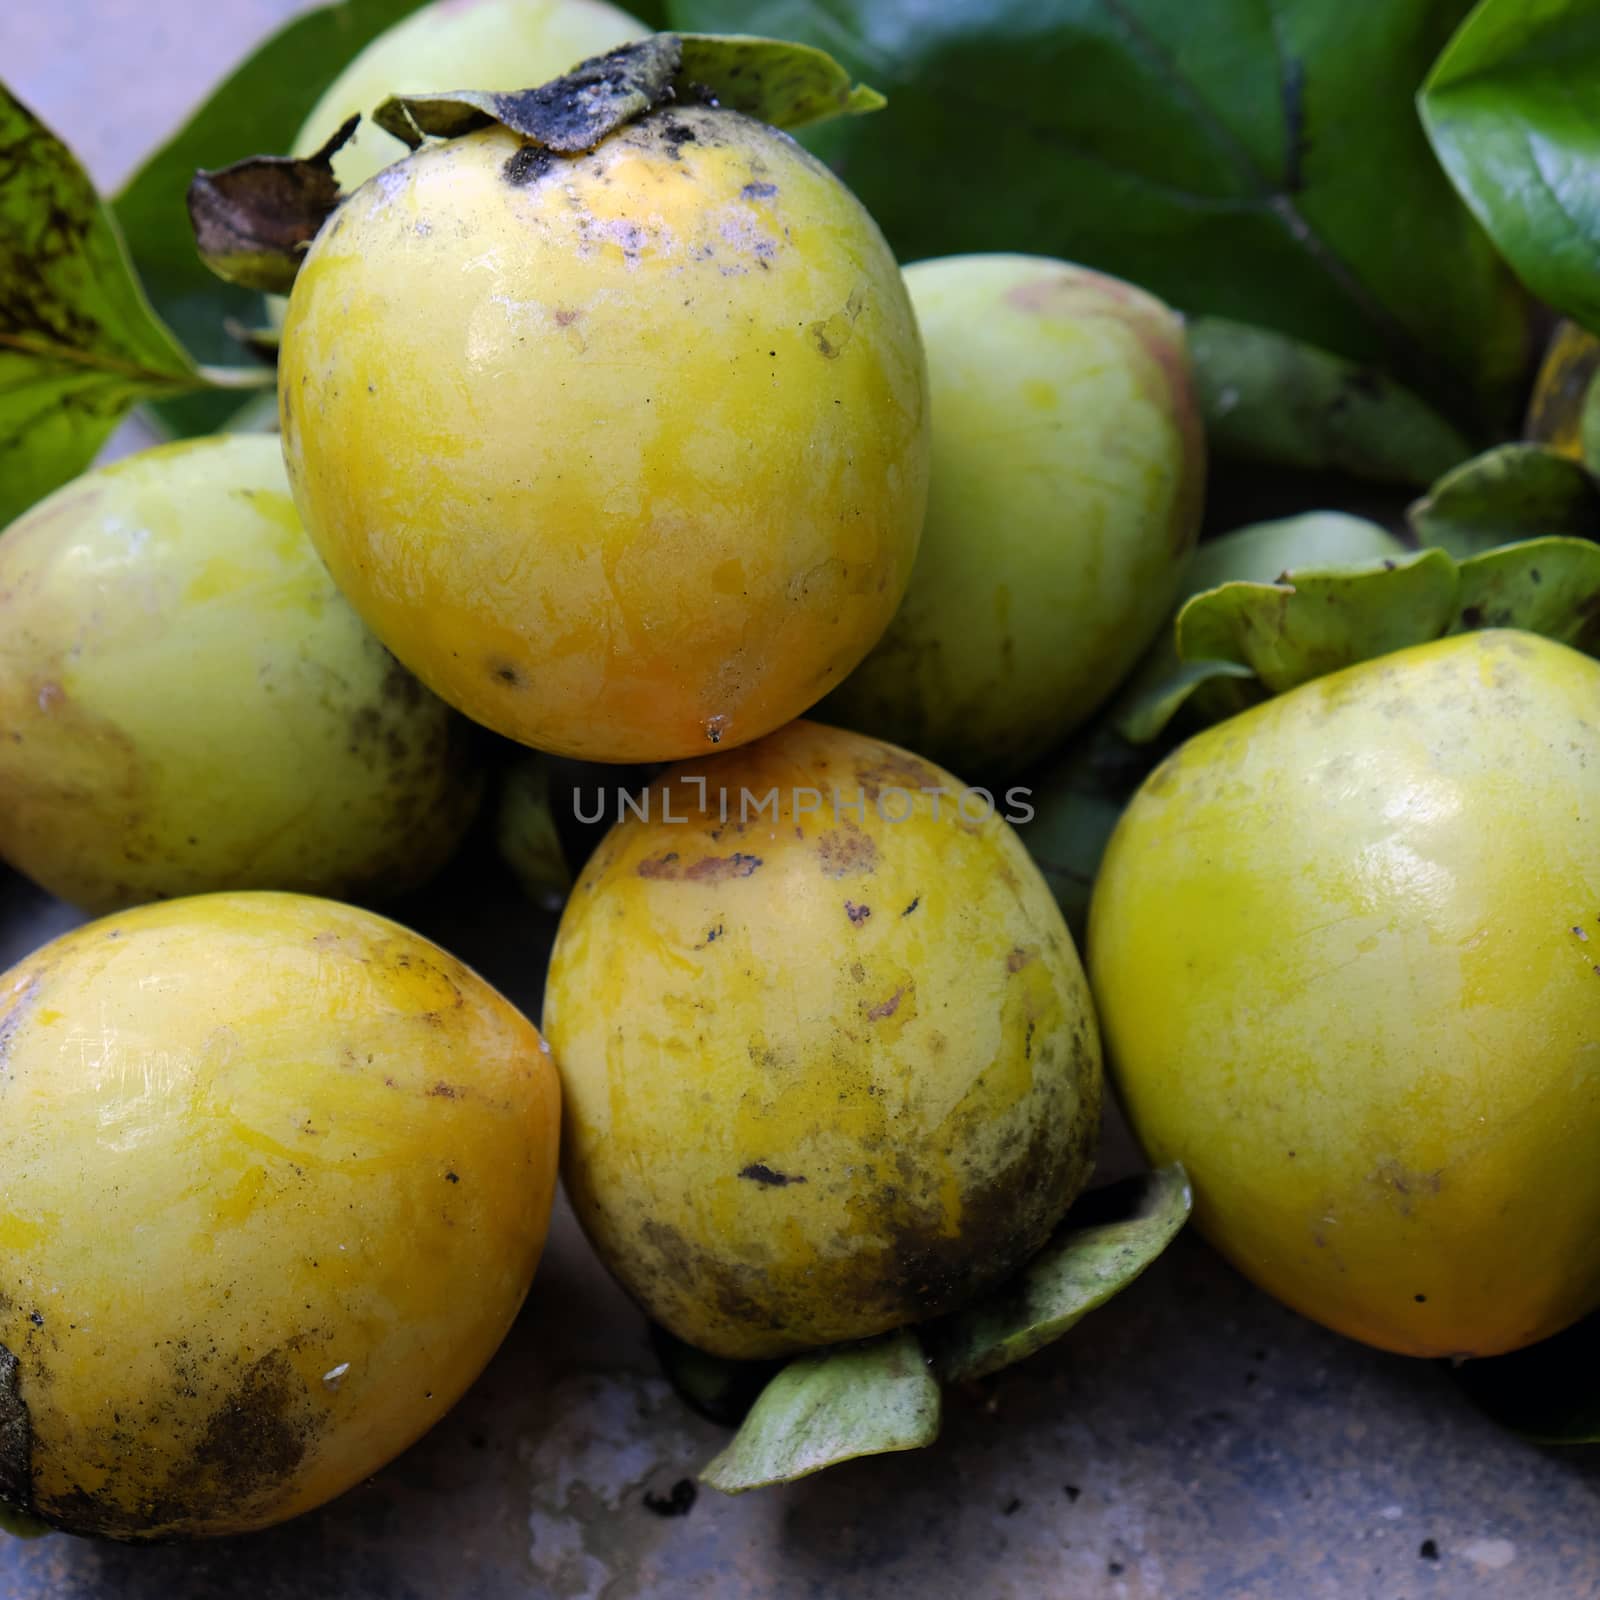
{"x": 1272, "y": 399}
{"x": 525, "y": 833}
{"x": 20, "y": 1525}
{"x": 1549, "y": 1392}
{"x": 851, "y": 1400}
{"x": 1511, "y": 109}
{"x": 1076, "y": 804}
{"x": 1259, "y": 163}
{"x": 1263, "y": 551}
{"x": 258, "y": 108}
{"x": 79, "y": 343}
{"x": 1108, "y": 1238}
{"x": 1289, "y": 633}
{"x": 788, "y": 85}
{"x": 1515, "y": 491}
{"x": 1164, "y": 684}
{"x": 1544, "y": 586}
{"x": 719, "y": 1389}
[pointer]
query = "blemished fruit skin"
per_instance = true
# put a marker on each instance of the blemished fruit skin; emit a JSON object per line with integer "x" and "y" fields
{"x": 188, "y": 704}
{"x": 824, "y": 1074}
{"x": 456, "y": 44}
{"x": 277, "y": 1176}
{"x": 1346, "y": 953}
{"x": 1066, "y": 482}
{"x": 624, "y": 454}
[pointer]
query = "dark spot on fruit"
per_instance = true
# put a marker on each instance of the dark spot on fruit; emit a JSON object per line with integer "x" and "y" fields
{"x": 452, "y": 1177}
{"x": 527, "y": 165}
{"x": 565, "y": 316}
{"x": 1018, "y": 959}
{"x": 758, "y": 191}
{"x": 507, "y": 674}
{"x": 677, "y": 1502}
{"x": 16, "y": 1436}
{"x": 912, "y": 907}
{"x": 1421, "y": 1299}
{"x": 1428, "y": 1550}
{"x": 769, "y": 1177}
{"x": 709, "y": 869}
{"x": 1071, "y": 1491}
{"x": 36, "y": 1318}
{"x": 1011, "y": 1507}
{"x": 444, "y": 1091}
{"x": 857, "y": 914}
{"x": 846, "y": 852}
{"x": 886, "y": 1008}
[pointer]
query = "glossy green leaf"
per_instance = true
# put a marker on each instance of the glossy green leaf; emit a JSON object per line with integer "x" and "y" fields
{"x": 789, "y": 85}
{"x": 849, "y": 1400}
{"x": 1513, "y": 111}
{"x": 256, "y": 110}
{"x": 1224, "y": 156}
{"x": 1272, "y": 399}
{"x": 1515, "y": 491}
{"x": 79, "y": 343}
{"x": 1545, "y": 586}
{"x": 1321, "y": 622}
{"x": 719, "y": 1389}
{"x": 1549, "y": 1392}
{"x": 526, "y": 836}
{"x": 1108, "y": 1238}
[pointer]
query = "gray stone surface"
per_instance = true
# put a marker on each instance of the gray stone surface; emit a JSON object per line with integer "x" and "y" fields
{"x": 1190, "y": 1440}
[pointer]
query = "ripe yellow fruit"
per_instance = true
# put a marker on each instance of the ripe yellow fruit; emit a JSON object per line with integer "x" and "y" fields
{"x": 625, "y": 453}
{"x": 456, "y": 44}
{"x": 1346, "y": 951}
{"x": 187, "y": 703}
{"x": 829, "y": 1066}
{"x": 1067, "y": 473}
{"x": 277, "y": 1176}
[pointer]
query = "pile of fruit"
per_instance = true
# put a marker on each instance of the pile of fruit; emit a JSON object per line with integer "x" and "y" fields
{"x": 615, "y": 454}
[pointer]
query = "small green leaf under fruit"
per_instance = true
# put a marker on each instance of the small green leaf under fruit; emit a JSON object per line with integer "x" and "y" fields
{"x": 1163, "y": 684}
{"x": 1321, "y": 622}
{"x": 20, "y": 1525}
{"x": 788, "y": 85}
{"x": 1545, "y": 586}
{"x": 526, "y": 836}
{"x": 1076, "y": 803}
{"x": 719, "y": 1389}
{"x": 1549, "y": 1392}
{"x": 1269, "y": 398}
{"x": 1515, "y": 491}
{"x": 1107, "y": 1239}
{"x": 850, "y": 1400}
{"x": 254, "y": 221}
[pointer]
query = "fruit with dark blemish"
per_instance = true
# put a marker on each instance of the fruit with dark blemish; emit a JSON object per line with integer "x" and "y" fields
{"x": 1066, "y": 479}
{"x": 1338, "y": 945}
{"x": 643, "y": 464}
{"x": 250, "y": 1247}
{"x": 187, "y": 703}
{"x": 868, "y": 1098}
